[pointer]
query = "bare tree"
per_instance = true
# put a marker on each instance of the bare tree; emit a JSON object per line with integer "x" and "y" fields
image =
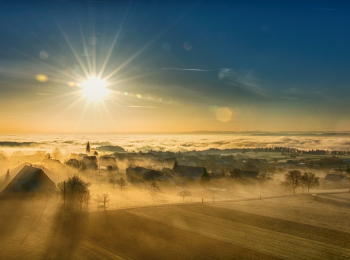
{"x": 184, "y": 194}
{"x": 98, "y": 200}
{"x": 293, "y": 179}
{"x": 3, "y": 157}
{"x": 121, "y": 182}
{"x": 113, "y": 181}
{"x": 309, "y": 180}
{"x": 105, "y": 199}
{"x": 153, "y": 190}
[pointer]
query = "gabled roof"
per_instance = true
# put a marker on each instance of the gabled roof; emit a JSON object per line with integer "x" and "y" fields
{"x": 335, "y": 177}
{"x": 189, "y": 171}
{"x": 248, "y": 174}
{"x": 27, "y": 174}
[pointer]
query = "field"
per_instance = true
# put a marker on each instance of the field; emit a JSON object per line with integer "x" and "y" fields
{"x": 279, "y": 228}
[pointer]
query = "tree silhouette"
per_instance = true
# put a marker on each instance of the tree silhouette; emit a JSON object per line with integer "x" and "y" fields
{"x": 153, "y": 190}
{"x": 3, "y": 157}
{"x": 121, "y": 182}
{"x": 74, "y": 190}
{"x": 184, "y": 194}
{"x": 98, "y": 200}
{"x": 7, "y": 176}
{"x": 293, "y": 179}
{"x": 309, "y": 180}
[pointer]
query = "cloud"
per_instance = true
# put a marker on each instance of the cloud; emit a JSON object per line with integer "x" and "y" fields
{"x": 141, "y": 107}
{"x": 179, "y": 142}
{"x": 43, "y": 94}
{"x": 185, "y": 69}
{"x": 291, "y": 98}
{"x": 241, "y": 79}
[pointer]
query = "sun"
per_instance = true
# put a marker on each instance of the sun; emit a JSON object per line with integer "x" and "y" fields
{"x": 94, "y": 89}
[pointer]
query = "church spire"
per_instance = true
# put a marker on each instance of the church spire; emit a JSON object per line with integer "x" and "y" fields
{"x": 88, "y": 148}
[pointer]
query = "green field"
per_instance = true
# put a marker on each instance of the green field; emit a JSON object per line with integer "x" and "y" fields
{"x": 279, "y": 228}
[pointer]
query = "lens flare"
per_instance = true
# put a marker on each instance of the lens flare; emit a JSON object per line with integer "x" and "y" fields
{"x": 94, "y": 89}
{"x": 223, "y": 114}
{"x": 41, "y": 78}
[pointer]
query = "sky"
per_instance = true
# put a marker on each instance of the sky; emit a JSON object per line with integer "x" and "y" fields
{"x": 174, "y": 66}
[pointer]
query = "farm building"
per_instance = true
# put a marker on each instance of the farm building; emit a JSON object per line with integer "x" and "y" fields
{"x": 336, "y": 179}
{"x": 189, "y": 172}
{"x": 74, "y": 163}
{"x": 106, "y": 161}
{"x": 90, "y": 162}
{"x": 29, "y": 179}
{"x": 135, "y": 174}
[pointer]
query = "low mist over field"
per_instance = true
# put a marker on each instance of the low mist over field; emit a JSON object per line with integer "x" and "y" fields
{"x": 177, "y": 142}
{"x": 174, "y": 130}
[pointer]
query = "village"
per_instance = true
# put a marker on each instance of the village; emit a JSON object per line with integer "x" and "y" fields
{"x": 111, "y": 165}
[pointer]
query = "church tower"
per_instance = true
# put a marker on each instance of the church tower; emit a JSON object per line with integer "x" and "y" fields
{"x": 88, "y": 148}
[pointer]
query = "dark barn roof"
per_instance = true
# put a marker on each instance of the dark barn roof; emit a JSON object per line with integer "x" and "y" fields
{"x": 29, "y": 179}
{"x": 189, "y": 171}
{"x": 335, "y": 177}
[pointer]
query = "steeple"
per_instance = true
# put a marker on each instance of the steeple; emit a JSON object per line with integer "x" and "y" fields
{"x": 88, "y": 148}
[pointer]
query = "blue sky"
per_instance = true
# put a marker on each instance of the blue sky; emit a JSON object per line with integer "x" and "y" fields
{"x": 275, "y": 65}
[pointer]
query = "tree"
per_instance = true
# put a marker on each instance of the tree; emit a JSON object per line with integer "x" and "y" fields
{"x": 293, "y": 179}
{"x": 121, "y": 182}
{"x": 7, "y": 176}
{"x": 205, "y": 176}
{"x": 3, "y": 157}
{"x": 98, "y": 200}
{"x": 235, "y": 173}
{"x": 56, "y": 153}
{"x": 113, "y": 181}
{"x": 75, "y": 190}
{"x": 105, "y": 199}
{"x": 184, "y": 194}
{"x": 309, "y": 180}
{"x": 153, "y": 190}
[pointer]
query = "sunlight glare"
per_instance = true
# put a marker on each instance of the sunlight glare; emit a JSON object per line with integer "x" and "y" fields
{"x": 94, "y": 89}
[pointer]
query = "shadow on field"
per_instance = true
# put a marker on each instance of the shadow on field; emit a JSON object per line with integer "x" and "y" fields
{"x": 67, "y": 228}
{"x": 12, "y": 213}
{"x": 332, "y": 199}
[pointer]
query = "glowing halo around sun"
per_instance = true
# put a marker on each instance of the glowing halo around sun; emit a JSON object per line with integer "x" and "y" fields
{"x": 94, "y": 89}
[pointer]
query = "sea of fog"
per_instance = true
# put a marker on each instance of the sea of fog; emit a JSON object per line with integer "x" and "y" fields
{"x": 174, "y": 142}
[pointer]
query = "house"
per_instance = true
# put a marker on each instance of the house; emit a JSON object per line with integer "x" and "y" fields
{"x": 189, "y": 172}
{"x": 77, "y": 156}
{"x": 74, "y": 163}
{"x": 90, "y": 162}
{"x": 135, "y": 174}
{"x": 168, "y": 171}
{"x": 248, "y": 174}
{"x": 52, "y": 163}
{"x": 29, "y": 179}
{"x": 167, "y": 162}
{"x": 239, "y": 174}
{"x": 156, "y": 175}
{"x": 336, "y": 179}
{"x": 106, "y": 161}
{"x": 218, "y": 174}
